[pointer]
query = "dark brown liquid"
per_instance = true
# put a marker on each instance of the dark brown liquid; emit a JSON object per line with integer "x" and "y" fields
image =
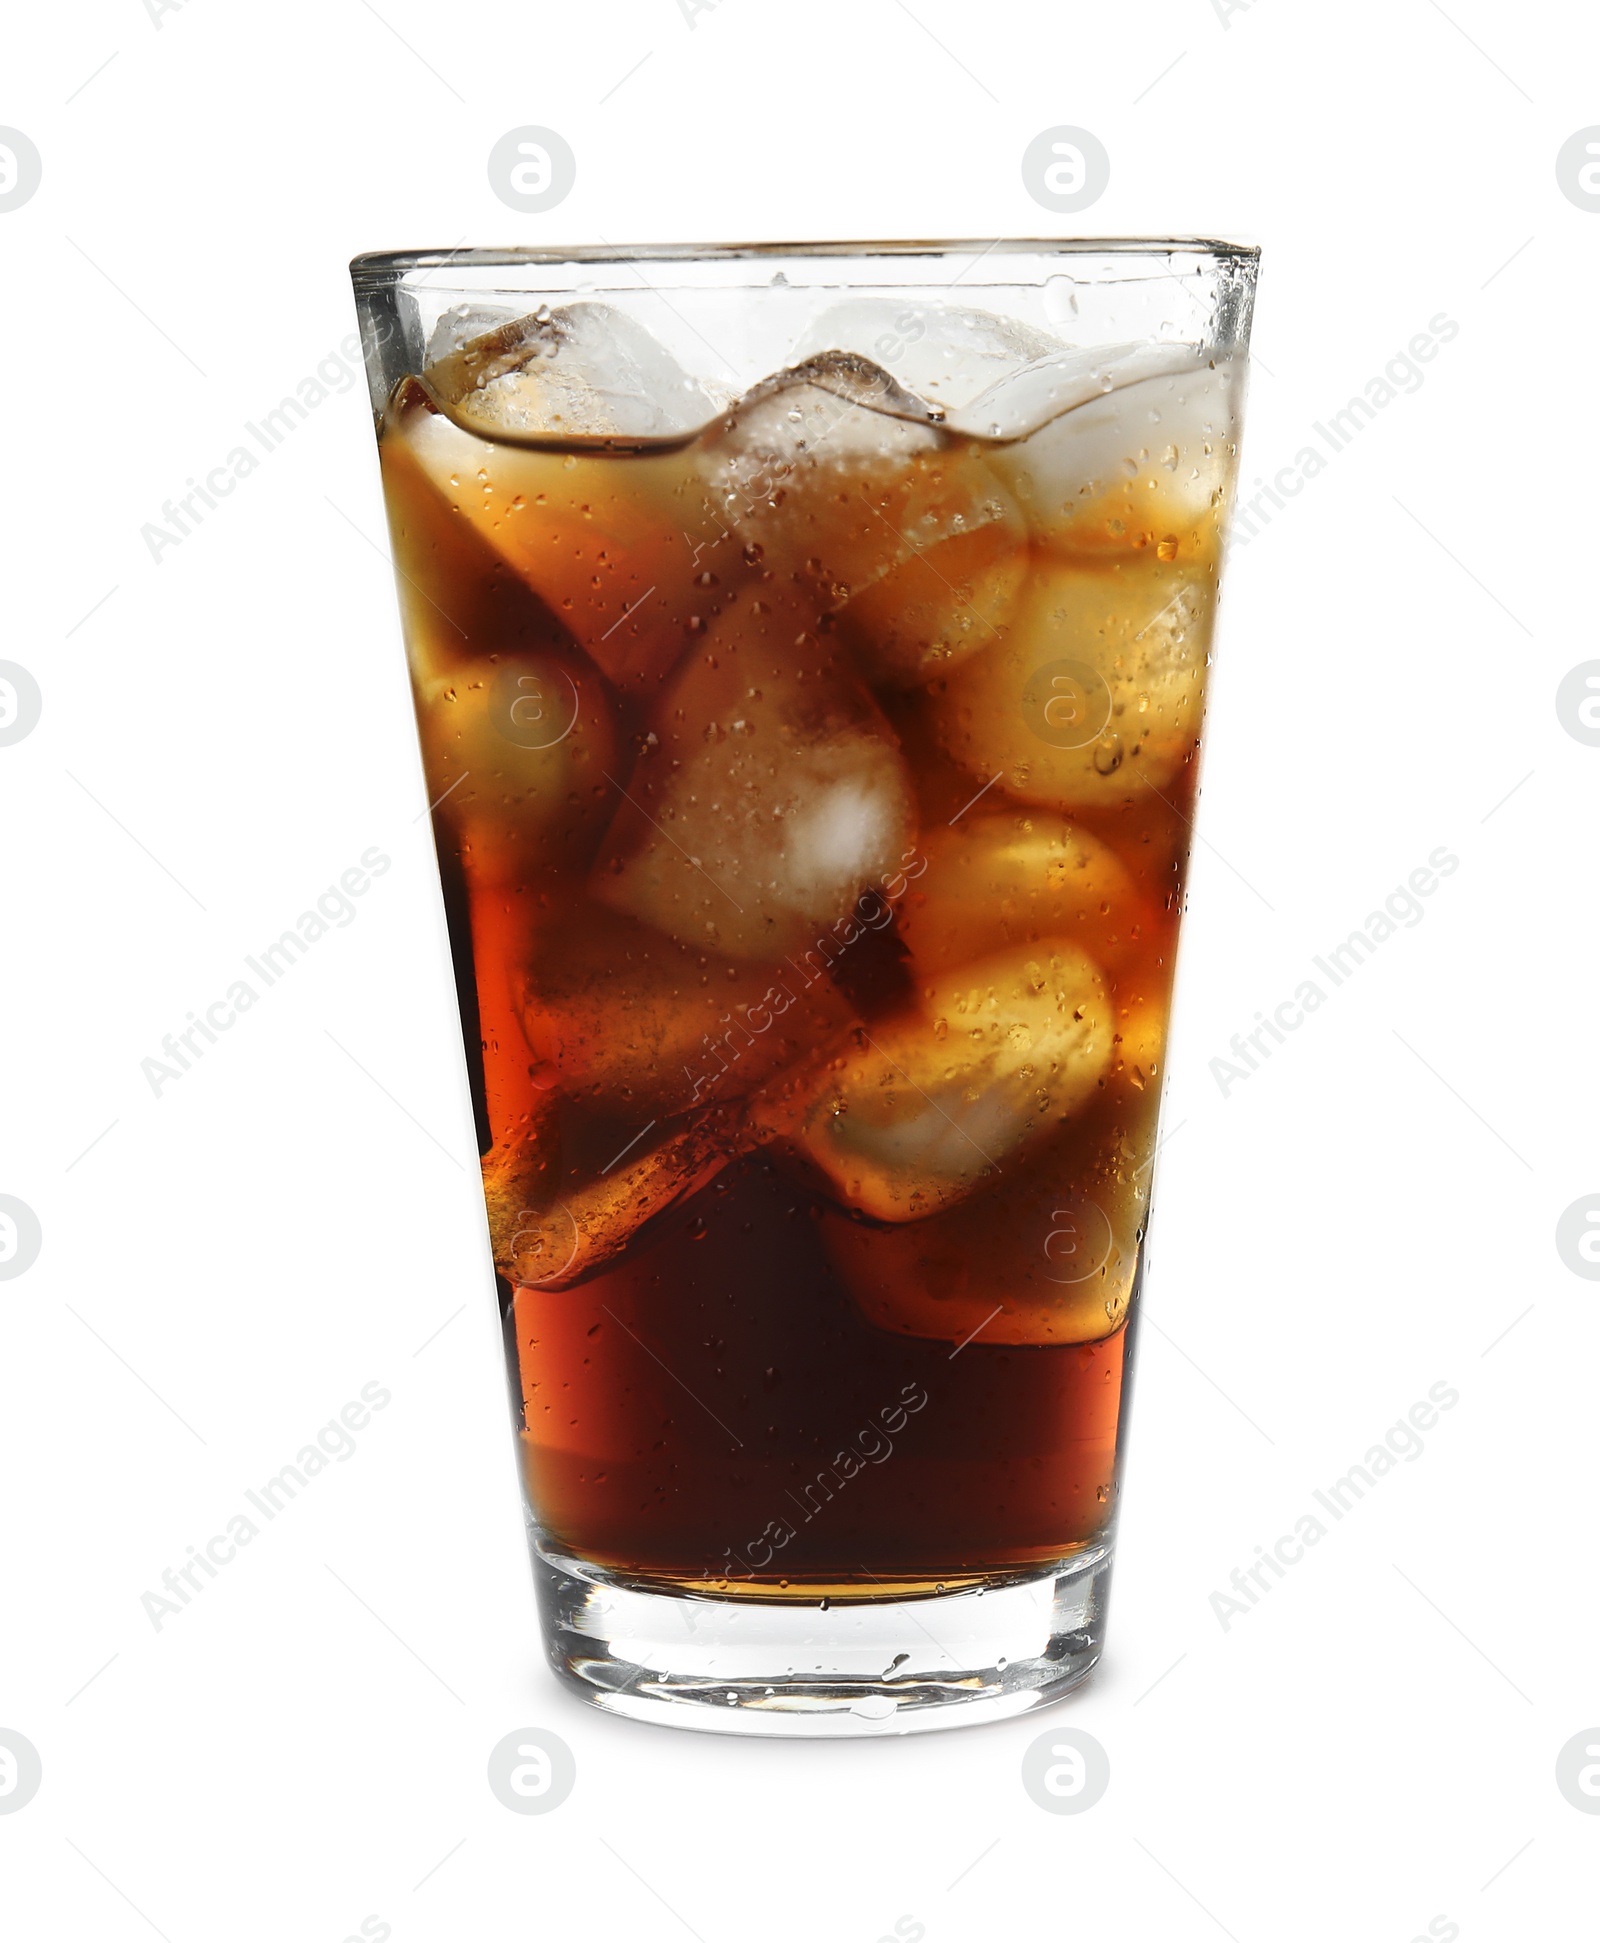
{"x": 792, "y": 1440}
{"x": 818, "y": 1198}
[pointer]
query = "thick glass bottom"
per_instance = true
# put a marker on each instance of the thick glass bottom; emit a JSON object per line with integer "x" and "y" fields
{"x": 824, "y": 1667}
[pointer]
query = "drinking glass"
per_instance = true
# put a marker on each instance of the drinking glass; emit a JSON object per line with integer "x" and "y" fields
{"x": 809, "y": 645}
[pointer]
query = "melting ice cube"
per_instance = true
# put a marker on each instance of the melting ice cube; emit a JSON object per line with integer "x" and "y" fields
{"x": 585, "y": 368}
{"x": 944, "y": 354}
{"x": 920, "y": 1109}
{"x": 517, "y": 748}
{"x": 1010, "y": 878}
{"x": 629, "y": 1019}
{"x": 837, "y": 473}
{"x": 772, "y": 796}
{"x": 626, "y": 550}
{"x": 1095, "y": 691}
{"x": 461, "y": 324}
{"x": 552, "y": 1237}
{"x": 1045, "y": 1255}
{"x": 1141, "y": 440}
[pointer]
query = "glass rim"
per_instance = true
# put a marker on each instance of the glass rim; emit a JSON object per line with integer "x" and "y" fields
{"x": 380, "y": 266}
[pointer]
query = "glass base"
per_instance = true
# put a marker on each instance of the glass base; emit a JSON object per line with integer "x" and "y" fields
{"x": 824, "y": 1668}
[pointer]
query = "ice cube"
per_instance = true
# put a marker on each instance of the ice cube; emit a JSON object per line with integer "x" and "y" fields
{"x": 927, "y": 615}
{"x": 834, "y": 472}
{"x": 945, "y": 354}
{"x": 1094, "y": 693}
{"x": 585, "y": 369}
{"x": 552, "y": 1239}
{"x": 517, "y": 748}
{"x": 460, "y": 324}
{"x": 1035, "y": 394}
{"x": 459, "y": 598}
{"x": 1009, "y": 878}
{"x": 770, "y": 797}
{"x": 1045, "y": 1255}
{"x": 996, "y": 1054}
{"x": 628, "y": 1019}
{"x": 624, "y": 547}
{"x": 1146, "y": 453}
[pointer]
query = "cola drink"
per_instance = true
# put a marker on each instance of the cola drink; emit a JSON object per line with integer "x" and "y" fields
{"x": 813, "y": 768}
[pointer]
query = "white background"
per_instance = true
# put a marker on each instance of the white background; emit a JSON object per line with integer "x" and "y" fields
{"x": 1373, "y": 1746}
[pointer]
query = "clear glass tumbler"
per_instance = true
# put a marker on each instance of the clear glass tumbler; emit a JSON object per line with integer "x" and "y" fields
{"x": 809, "y": 644}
